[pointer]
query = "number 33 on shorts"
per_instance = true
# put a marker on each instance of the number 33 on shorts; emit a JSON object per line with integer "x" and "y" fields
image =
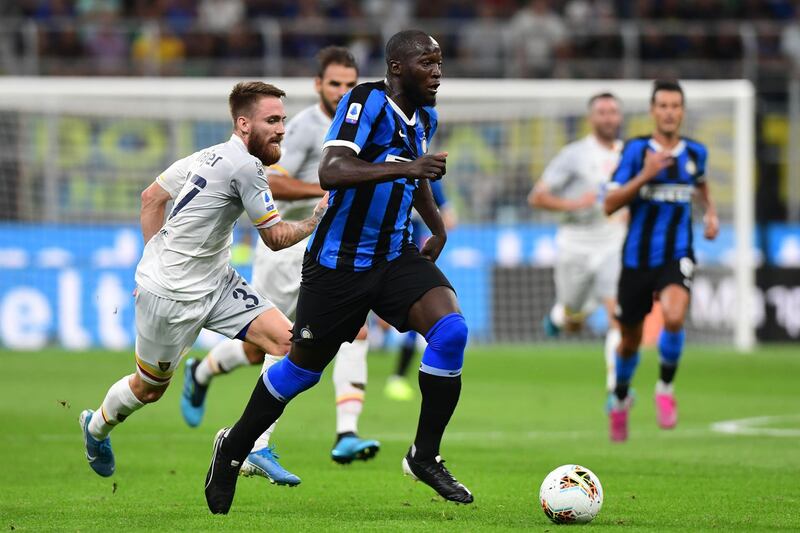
{"x": 251, "y": 300}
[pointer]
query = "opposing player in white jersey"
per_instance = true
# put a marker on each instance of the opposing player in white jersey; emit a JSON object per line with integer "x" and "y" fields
{"x": 184, "y": 279}
{"x": 588, "y": 243}
{"x": 295, "y": 186}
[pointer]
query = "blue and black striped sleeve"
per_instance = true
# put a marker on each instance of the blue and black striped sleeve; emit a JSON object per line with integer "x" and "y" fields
{"x": 629, "y": 164}
{"x": 354, "y": 118}
{"x": 439, "y": 196}
{"x": 699, "y": 154}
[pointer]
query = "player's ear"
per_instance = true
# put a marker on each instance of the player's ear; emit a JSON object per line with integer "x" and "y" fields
{"x": 395, "y": 67}
{"x": 243, "y": 124}
{"x": 317, "y": 83}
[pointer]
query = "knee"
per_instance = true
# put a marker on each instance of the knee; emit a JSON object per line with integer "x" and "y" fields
{"x": 145, "y": 392}
{"x": 270, "y": 332}
{"x": 285, "y": 380}
{"x": 153, "y": 395}
{"x": 254, "y": 354}
{"x": 280, "y": 345}
{"x": 460, "y": 333}
{"x": 673, "y": 322}
{"x": 449, "y": 334}
{"x": 446, "y": 343}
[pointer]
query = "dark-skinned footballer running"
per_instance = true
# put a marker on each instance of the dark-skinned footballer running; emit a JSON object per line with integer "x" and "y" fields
{"x": 361, "y": 258}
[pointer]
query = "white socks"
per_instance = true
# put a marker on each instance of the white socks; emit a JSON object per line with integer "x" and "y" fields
{"x": 350, "y": 367}
{"x": 558, "y": 315}
{"x": 222, "y": 358}
{"x": 665, "y": 388}
{"x": 263, "y": 440}
{"x": 117, "y": 405}
{"x": 613, "y": 338}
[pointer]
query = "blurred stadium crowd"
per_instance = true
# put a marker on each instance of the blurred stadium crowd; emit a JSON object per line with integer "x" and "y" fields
{"x": 90, "y": 165}
{"x": 573, "y": 39}
{"x": 489, "y": 38}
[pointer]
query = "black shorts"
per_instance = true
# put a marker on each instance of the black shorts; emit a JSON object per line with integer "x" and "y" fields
{"x": 639, "y": 286}
{"x": 333, "y": 304}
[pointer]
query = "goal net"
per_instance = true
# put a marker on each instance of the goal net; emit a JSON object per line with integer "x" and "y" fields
{"x": 75, "y": 155}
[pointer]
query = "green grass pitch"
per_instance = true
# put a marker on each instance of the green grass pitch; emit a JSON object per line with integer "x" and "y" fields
{"x": 523, "y": 411}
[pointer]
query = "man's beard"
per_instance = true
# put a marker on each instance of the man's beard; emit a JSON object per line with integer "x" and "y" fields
{"x": 418, "y": 96}
{"x": 607, "y": 134}
{"x": 266, "y": 152}
{"x": 330, "y": 107}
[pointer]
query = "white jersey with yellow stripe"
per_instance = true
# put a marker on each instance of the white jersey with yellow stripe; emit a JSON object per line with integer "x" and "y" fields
{"x": 211, "y": 188}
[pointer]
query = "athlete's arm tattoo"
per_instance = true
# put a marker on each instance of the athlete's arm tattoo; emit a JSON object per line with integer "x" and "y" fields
{"x": 285, "y": 234}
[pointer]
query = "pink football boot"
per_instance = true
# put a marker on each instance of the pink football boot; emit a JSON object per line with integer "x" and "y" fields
{"x": 618, "y": 423}
{"x": 666, "y": 410}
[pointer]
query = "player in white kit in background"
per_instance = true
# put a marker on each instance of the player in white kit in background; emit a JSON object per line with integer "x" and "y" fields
{"x": 295, "y": 186}
{"x": 588, "y": 243}
{"x": 184, "y": 279}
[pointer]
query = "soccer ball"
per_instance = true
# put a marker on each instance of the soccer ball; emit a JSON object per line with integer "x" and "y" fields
{"x": 571, "y": 494}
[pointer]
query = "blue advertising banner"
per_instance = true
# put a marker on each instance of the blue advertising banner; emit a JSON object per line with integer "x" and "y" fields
{"x": 72, "y": 285}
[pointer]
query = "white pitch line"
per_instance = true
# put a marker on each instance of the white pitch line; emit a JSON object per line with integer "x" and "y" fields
{"x": 755, "y": 426}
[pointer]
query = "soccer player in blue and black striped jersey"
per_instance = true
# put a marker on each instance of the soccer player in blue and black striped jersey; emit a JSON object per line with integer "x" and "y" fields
{"x": 657, "y": 177}
{"x": 376, "y": 167}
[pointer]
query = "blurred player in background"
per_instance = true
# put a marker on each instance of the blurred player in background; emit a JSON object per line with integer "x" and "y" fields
{"x": 588, "y": 242}
{"x": 657, "y": 178}
{"x": 397, "y": 385}
{"x": 184, "y": 279}
{"x": 295, "y": 186}
{"x": 376, "y": 165}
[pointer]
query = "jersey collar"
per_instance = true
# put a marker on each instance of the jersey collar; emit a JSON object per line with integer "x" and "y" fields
{"x": 235, "y": 139}
{"x": 675, "y": 152}
{"x": 409, "y": 121}
{"x": 318, "y": 110}
{"x": 616, "y": 147}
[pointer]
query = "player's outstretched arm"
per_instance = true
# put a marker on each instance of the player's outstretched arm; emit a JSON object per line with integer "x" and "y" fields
{"x": 154, "y": 206}
{"x": 288, "y": 188}
{"x": 622, "y": 195}
{"x": 341, "y": 168}
{"x": 541, "y": 197}
{"x": 285, "y": 234}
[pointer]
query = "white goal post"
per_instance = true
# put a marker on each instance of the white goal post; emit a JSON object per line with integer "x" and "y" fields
{"x": 505, "y": 128}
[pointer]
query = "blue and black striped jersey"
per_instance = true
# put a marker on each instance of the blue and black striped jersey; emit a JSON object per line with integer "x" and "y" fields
{"x": 370, "y": 223}
{"x": 660, "y": 226}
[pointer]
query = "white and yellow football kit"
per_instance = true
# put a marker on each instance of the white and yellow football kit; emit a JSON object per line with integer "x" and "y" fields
{"x": 184, "y": 279}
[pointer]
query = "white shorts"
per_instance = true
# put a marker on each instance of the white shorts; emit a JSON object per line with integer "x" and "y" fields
{"x": 166, "y": 329}
{"x": 585, "y": 279}
{"x": 277, "y": 275}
